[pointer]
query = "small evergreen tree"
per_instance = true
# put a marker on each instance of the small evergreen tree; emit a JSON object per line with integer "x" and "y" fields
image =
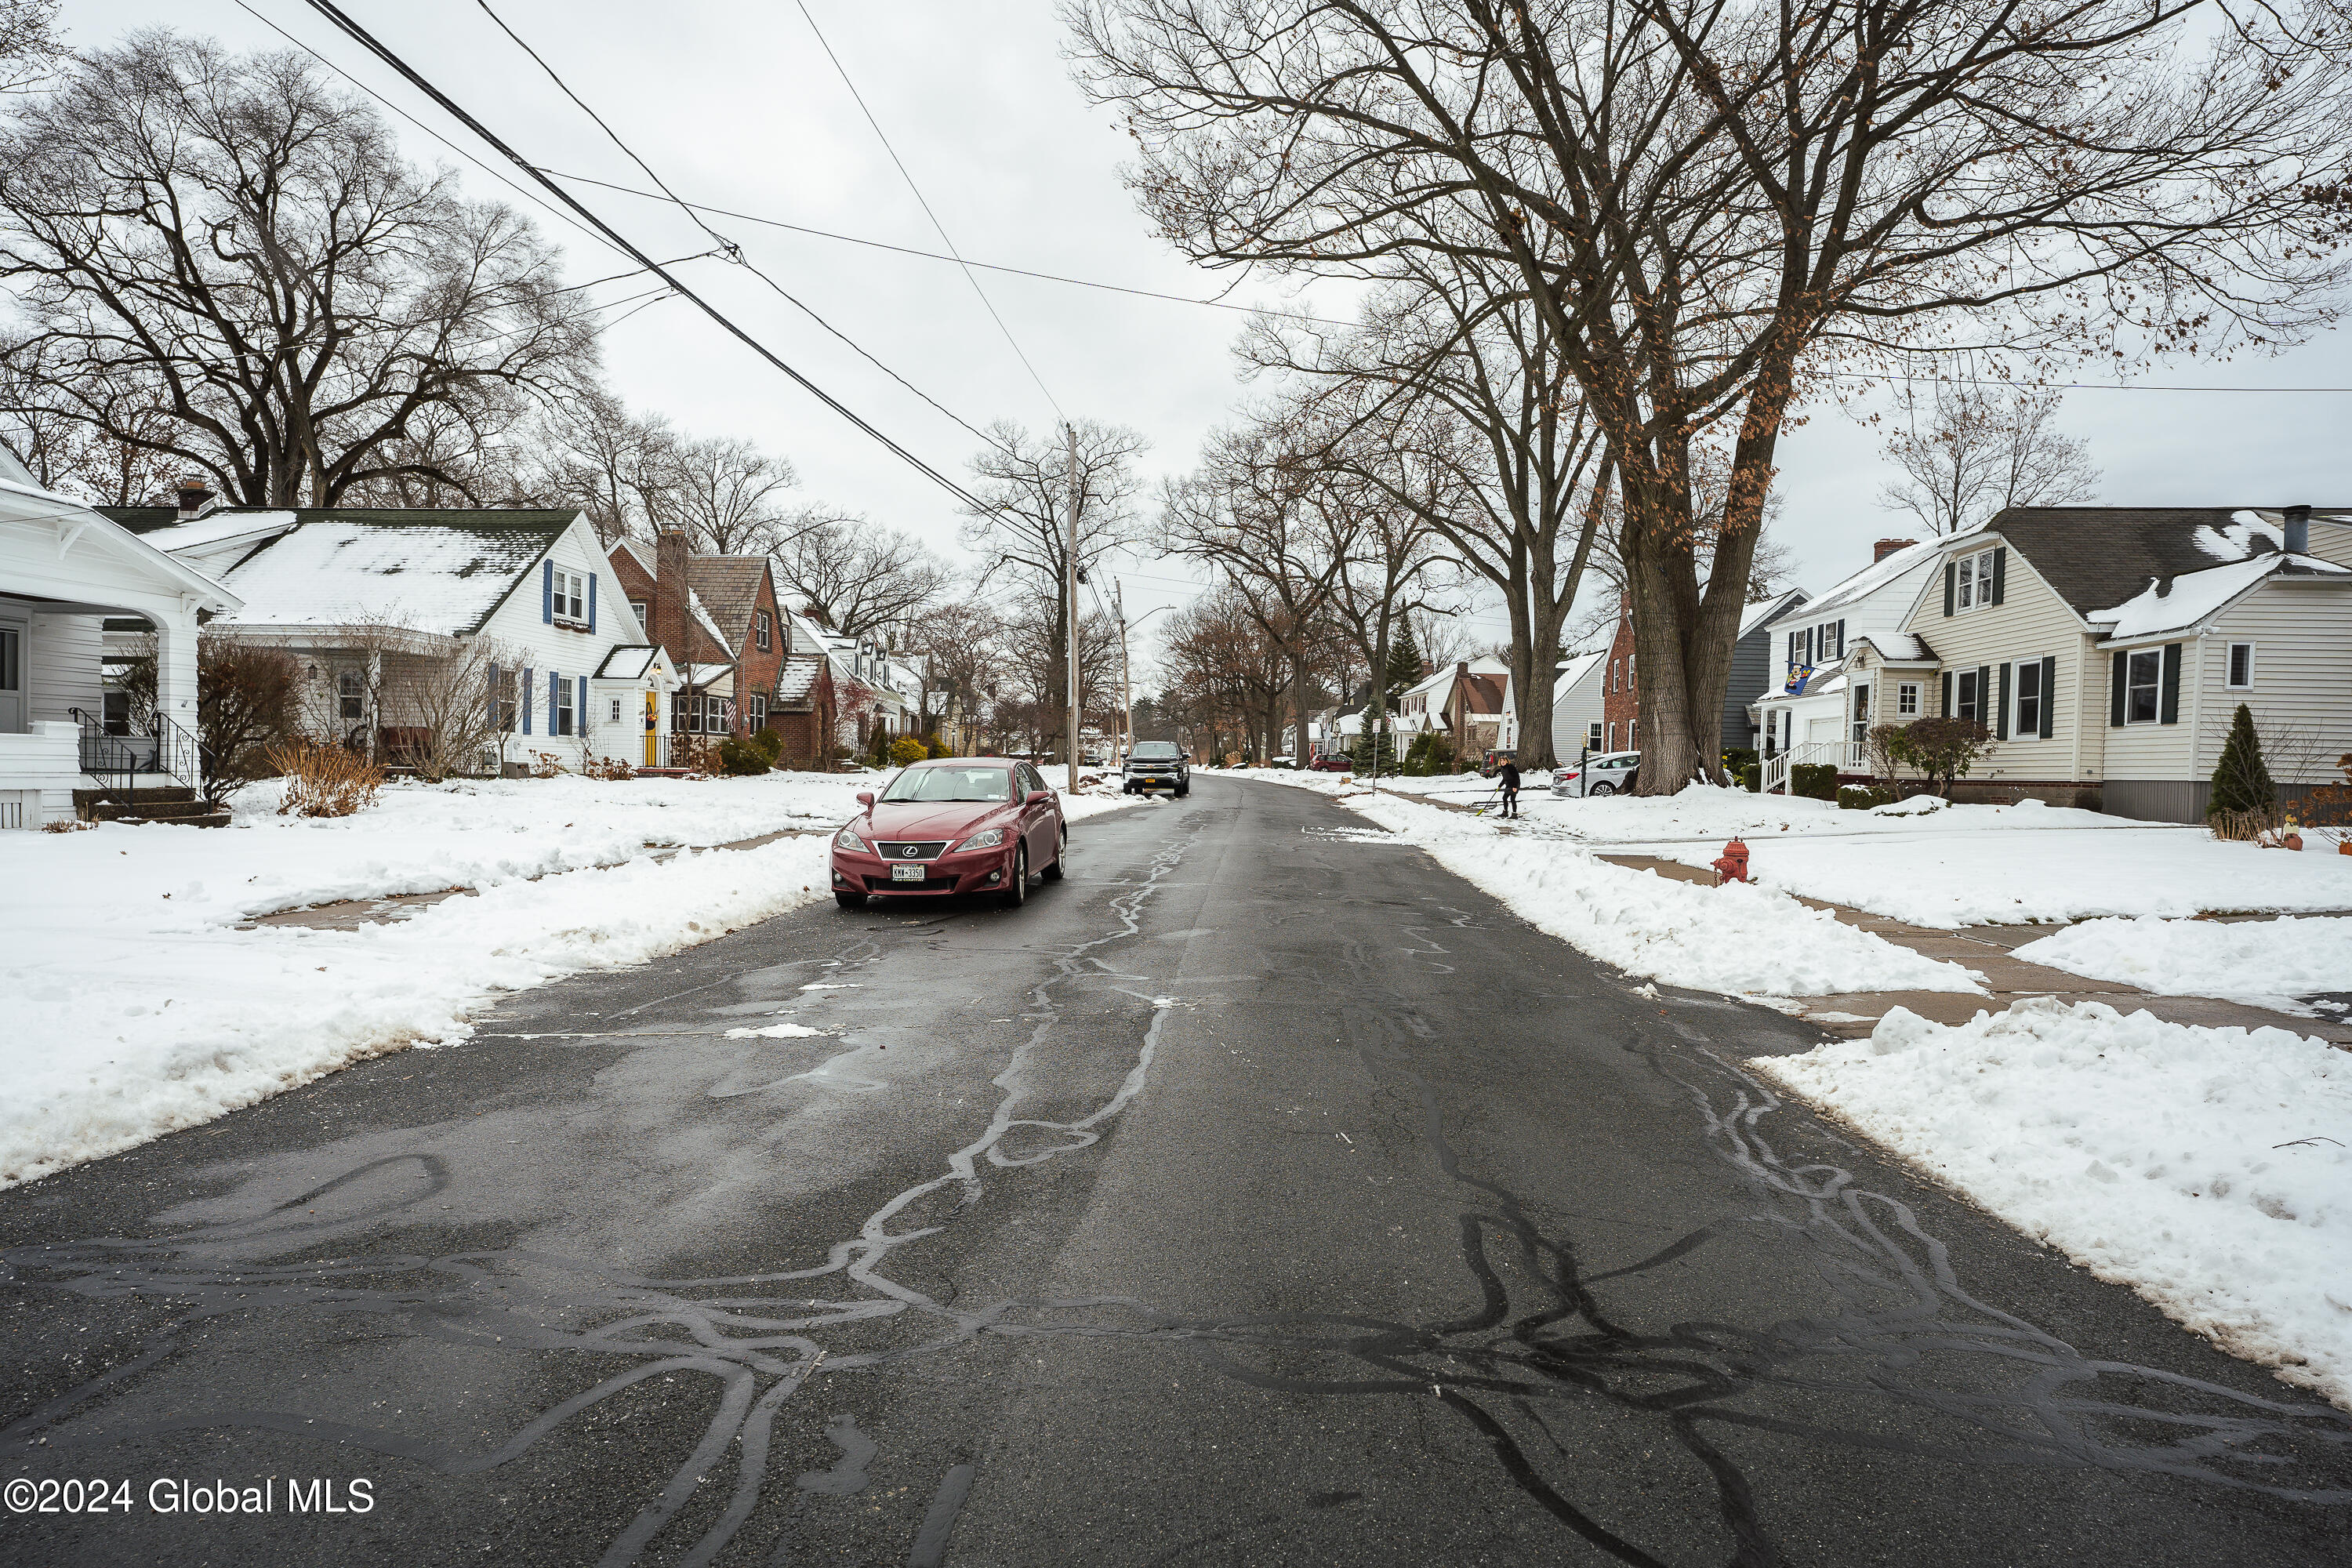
{"x": 2241, "y": 780}
{"x": 1404, "y": 660}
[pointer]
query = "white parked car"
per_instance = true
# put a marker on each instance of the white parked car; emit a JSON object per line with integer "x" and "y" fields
{"x": 1605, "y": 774}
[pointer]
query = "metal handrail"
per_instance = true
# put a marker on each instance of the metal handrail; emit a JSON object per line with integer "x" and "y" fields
{"x": 117, "y": 760}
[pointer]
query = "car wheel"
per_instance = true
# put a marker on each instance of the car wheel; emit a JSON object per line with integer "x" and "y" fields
{"x": 1018, "y": 893}
{"x": 1604, "y": 789}
{"x": 1061, "y": 852}
{"x": 850, "y": 900}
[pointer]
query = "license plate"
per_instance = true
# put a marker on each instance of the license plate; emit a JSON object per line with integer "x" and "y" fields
{"x": 906, "y": 873}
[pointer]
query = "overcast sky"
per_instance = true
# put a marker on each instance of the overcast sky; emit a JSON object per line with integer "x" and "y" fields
{"x": 737, "y": 106}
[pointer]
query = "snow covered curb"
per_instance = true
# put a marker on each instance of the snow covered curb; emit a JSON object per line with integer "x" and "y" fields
{"x": 2267, "y": 962}
{"x": 2206, "y": 1168}
{"x": 1741, "y": 940}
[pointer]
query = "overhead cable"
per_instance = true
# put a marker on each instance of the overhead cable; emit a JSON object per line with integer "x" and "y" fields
{"x": 368, "y": 41}
{"x": 938, "y": 227}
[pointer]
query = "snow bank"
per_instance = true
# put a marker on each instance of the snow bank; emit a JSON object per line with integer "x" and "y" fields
{"x": 117, "y": 1038}
{"x": 2262, "y": 962}
{"x": 1738, "y": 939}
{"x": 135, "y": 1005}
{"x": 2206, "y": 1168}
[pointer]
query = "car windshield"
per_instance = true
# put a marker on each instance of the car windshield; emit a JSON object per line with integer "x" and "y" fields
{"x": 1154, "y": 752}
{"x": 951, "y": 783}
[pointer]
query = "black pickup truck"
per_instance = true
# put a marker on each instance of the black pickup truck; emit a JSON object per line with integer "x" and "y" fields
{"x": 1156, "y": 764}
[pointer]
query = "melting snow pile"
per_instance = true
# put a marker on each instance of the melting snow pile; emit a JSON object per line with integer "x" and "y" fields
{"x": 1736, "y": 940}
{"x": 2268, "y": 962}
{"x": 2206, "y": 1168}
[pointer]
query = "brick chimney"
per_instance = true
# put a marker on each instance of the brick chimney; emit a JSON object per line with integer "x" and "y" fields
{"x": 1886, "y": 547}
{"x": 195, "y": 499}
{"x": 669, "y": 607}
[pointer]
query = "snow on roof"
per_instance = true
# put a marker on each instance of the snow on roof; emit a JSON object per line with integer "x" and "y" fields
{"x": 1756, "y": 615}
{"x": 1878, "y": 575}
{"x": 217, "y": 528}
{"x": 2194, "y": 596}
{"x": 440, "y": 577}
{"x": 703, "y": 675}
{"x": 1575, "y": 669}
{"x": 628, "y": 661}
{"x": 797, "y": 678}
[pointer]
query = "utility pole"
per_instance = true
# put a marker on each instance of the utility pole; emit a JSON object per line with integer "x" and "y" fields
{"x": 1070, "y": 587}
{"x": 1125, "y": 688}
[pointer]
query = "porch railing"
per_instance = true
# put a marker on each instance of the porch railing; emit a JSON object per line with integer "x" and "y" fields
{"x": 118, "y": 762}
{"x": 1777, "y": 768}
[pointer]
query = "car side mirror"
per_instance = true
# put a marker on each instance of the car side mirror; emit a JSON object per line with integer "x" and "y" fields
{"x": 1038, "y": 797}
{"x": 866, "y": 798}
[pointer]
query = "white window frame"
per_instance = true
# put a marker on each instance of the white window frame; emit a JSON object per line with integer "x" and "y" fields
{"x": 756, "y": 718}
{"x": 760, "y": 634}
{"x": 351, "y": 697}
{"x": 615, "y": 712}
{"x": 2154, "y": 686}
{"x": 2229, "y": 666}
{"x": 2018, "y": 728}
{"x": 1907, "y": 700}
{"x": 561, "y": 721}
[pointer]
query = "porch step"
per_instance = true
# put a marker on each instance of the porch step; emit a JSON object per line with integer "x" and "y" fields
{"x": 175, "y": 804}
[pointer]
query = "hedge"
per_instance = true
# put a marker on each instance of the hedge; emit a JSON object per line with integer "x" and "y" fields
{"x": 1814, "y": 781}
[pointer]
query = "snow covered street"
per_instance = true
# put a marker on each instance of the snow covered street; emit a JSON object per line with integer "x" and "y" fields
{"x": 139, "y": 1006}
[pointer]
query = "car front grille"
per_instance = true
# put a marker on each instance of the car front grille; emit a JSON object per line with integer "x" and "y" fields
{"x": 910, "y": 849}
{"x": 928, "y": 885}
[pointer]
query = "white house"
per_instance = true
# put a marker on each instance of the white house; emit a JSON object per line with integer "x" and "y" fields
{"x": 1804, "y": 709}
{"x": 373, "y": 600}
{"x": 1576, "y": 704}
{"x": 63, "y": 571}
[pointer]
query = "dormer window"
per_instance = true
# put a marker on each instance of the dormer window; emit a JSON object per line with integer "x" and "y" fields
{"x": 1975, "y": 585}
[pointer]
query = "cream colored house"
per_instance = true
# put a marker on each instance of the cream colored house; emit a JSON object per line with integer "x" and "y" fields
{"x": 2108, "y": 649}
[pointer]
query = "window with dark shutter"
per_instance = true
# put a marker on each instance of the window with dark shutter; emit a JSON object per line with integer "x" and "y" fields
{"x": 2000, "y": 573}
{"x": 2117, "y": 681}
{"x": 2000, "y": 707}
{"x": 2143, "y": 686}
{"x": 1951, "y": 581}
{"x": 2170, "y": 714}
{"x": 2049, "y": 698}
{"x": 1946, "y": 710}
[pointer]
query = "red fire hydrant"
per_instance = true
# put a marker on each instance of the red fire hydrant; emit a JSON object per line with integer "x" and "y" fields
{"x": 1733, "y": 865}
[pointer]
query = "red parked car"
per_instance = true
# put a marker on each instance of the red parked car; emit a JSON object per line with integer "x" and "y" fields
{"x": 1336, "y": 762}
{"x": 954, "y": 824}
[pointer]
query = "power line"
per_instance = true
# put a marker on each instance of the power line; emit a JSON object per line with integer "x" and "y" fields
{"x": 368, "y": 41}
{"x": 960, "y": 260}
{"x": 732, "y": 251}
{"x": 939, "y": 228}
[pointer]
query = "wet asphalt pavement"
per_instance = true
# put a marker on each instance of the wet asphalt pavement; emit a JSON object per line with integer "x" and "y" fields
{"x": 1262, "y": 1194}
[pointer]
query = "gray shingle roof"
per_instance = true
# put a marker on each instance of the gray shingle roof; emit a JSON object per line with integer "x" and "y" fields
{"x": 2098, "y": 557}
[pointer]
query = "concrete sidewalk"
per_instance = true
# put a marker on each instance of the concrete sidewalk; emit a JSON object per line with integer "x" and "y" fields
{"x": 1987, "y": 951}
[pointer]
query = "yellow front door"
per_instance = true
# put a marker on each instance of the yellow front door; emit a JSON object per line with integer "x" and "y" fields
{"x": 653, "y": 729}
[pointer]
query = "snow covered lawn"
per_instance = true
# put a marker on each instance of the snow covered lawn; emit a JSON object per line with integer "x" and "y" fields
{"x": 2206, "y": 1168}
{"x": 1957, "y": 866}
{"x": 135, "y": 1005}
{"x": 2267, "y": 962}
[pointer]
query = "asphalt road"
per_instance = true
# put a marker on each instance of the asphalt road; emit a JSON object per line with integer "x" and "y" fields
{"x": 1260, "y": 1194}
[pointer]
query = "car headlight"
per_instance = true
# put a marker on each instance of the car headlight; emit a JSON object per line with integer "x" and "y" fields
{"x": 848, "y": 838}
{"x": 988, "y": 839}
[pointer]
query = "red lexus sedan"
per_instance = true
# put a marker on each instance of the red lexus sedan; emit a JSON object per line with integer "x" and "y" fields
{"x": 953, "y": 825}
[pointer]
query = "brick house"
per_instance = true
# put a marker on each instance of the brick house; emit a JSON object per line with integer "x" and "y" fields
{"x": 717, "y": 618}
{"x": 1621, "y": 695}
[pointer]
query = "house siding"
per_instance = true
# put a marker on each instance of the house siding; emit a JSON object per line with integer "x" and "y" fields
{"x": 2032, "y": 622}
{"x": 548, "y": 649}
{"x": 2302, "y": 694}
{"x": 1575, "y": 711}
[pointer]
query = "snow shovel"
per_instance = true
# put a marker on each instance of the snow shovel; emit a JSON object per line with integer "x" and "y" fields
{"x": 1480, "y": 809}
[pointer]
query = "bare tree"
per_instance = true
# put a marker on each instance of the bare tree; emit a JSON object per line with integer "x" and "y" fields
{"x": 961, "y": 645}
{"x": 1708, "y": 202}
{"x": 1978, "y": 451}
{"x": 858, "y": 579}
{"x": 1254, "y": 511}
{"x": 727, "y": 493}
{"x": 29, "y": 49}
{"x": 585, "y": 450}
{"x": 233, "y": 245}
{"x": 1023, "y": 484}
